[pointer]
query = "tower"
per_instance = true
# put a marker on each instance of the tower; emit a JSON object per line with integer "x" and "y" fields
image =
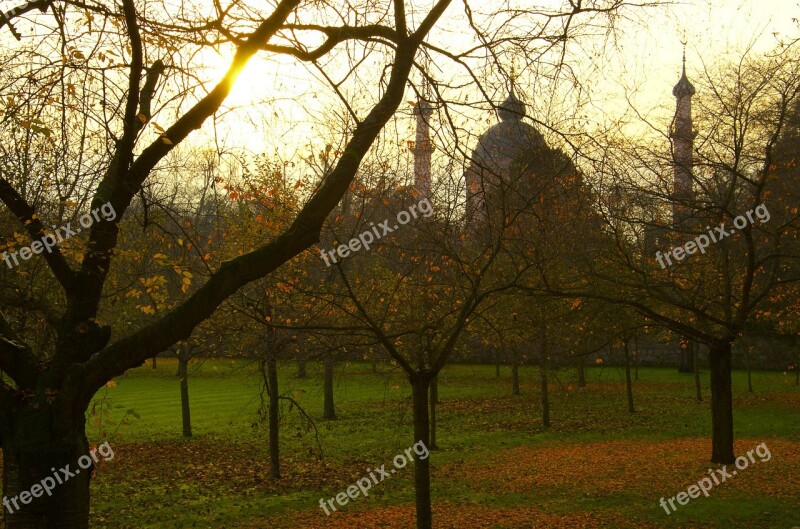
{"x": 682, "y": 135}
{"x": 423, "y": 149}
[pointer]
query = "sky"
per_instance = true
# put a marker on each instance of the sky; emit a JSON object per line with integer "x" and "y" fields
{"x": 638, "y": 66}
{"x": 714, "y": 30}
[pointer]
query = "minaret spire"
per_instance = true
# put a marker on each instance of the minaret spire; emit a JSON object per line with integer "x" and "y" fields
{"x": 682, "y": 135}
{"x": 423, "y": 149}
{"x": 683, "y": 68}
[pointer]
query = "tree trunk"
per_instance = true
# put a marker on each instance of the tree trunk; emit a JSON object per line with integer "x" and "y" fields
{"x": 433, "y": 403}
{"x": 697, "y": 385}
{"x": 301, "y": 368}
{"x": 637, "y": 357}
{"x": 515, "y": 371}
{"x": 36, "y": 446}
{"x": 183, "y": 373}
{"x": 685, "y": 364}
{"x": 747, "y": 361}
{"x": 497, "y": 362}
{"x": 543, "y": 376}
{"x": 797, "y": 360}
{"x": 274, "y": 418}
{"x": 581, "y": 372}
{"x": 154, "y": 363}
{"x": 628, "y": 382}
{"x": 329, "y": 411}
{"x": 422, "y": 469}
{"x": 719, "y": 360}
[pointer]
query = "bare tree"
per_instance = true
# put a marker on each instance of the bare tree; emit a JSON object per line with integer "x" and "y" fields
{"x": 711, "y": 286}
{"x": 92, "y": 111}
{"x": 84, "y": 355}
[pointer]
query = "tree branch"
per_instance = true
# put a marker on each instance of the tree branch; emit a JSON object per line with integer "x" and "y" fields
{"x": 8, "y": 16}
{"x": 16, "y": 357}
{"x": 335, "y": 36}
{"x": 26, "y": 214}
{"x": 304, "y": 231}
{"x": 119, "y": 187}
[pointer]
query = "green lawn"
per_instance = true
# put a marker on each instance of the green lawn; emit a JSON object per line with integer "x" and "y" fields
{"x": 597, "y": 466}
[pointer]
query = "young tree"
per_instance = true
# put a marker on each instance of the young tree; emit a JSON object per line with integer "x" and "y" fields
{"x": 144, "y": 63}
{"x": 46, "y": 427}
{"x": 708, "y": 297}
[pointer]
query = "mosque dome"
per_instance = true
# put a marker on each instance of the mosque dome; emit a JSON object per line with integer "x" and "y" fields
{"x": 512, "y": 108}
{"x": 504, "y": 142}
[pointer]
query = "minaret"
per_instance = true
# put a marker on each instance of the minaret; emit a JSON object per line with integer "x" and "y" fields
{"x": 423, "y": 149}
{"x": 682, "y": 136}
{"x": 683, "y": 145}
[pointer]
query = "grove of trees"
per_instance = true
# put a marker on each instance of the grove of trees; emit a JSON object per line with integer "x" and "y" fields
{"x": 215, "y": 249}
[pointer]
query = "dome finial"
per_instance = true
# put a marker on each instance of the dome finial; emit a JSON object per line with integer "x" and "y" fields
{"x": 513, "y": 108}
{"x": 683, "y": 42}
{"x": 684, "y": 87}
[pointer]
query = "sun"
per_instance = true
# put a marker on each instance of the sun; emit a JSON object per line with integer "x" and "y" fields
{"x": 271, "y": 101}
{"x": 263, "y": 79}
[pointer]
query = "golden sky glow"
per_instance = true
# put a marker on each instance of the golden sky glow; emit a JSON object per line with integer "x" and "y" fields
{"x": 643, "y": 64}
{"x": 279, "y": 105}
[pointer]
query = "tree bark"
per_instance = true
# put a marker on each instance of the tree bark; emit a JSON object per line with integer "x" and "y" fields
{"x": 628, "y": 382}
{"x": 433, "y": 403}
{"x": 581, "y": 372}
{"x": 301, "y": 368}
{"x": 515, "y": 372}
{"x": 797, "y": 360}
{"x": 155, "y": 366}
{"x": 422, "y": 471}
{"x": 719, "y": 359}
{"x": 35, "y": 441}
{"x": 686, "y": 361}
{"x": 183, "y": 373}
{"x": 747, "y": 362}
{"x": 329, "y": 411}
{"x": 274, "y": 418}
{"x": 497, "y": 362}
{"x": 543, "y": 376}
{"x": 638, "y": 357}
{"x": 697, "y": 385}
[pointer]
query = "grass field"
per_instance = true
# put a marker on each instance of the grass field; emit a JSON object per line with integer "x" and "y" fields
{"x": 597, "y": 466}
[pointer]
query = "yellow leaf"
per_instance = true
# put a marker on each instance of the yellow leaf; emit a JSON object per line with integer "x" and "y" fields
{"x": 111, "y": 384}
{"x": 166, "y": 140}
